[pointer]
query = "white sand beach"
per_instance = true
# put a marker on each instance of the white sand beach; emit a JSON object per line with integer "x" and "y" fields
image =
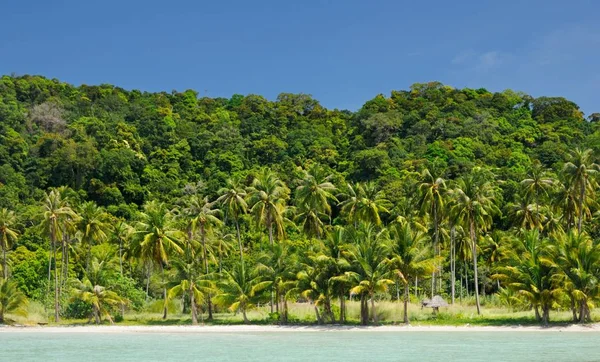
{"x": 290, "y": 329}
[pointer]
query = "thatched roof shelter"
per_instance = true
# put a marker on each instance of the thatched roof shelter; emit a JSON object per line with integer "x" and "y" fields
{"x": 436, "y": 302}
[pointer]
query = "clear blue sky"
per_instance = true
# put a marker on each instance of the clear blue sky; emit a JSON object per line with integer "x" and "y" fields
{"x": 343, "y": 52}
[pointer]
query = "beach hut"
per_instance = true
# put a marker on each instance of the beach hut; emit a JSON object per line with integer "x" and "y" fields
{"x": 435, "y": 303}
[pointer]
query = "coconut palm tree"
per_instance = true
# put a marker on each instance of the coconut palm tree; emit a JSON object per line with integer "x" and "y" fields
{"x": 332, "y": 248}
{"x": 204, "y": 218}
{"x": 121, "y": 233}
{"x": 93, "y": 225}
{"x": 55, "y": 214}
{"x": 275, "y": 267}
{"x": 368, "y": 254}
{"x": 267, "y": 200}
{"x": 313, "y": 197}
{"x": 579, "y": 263}
{"x": 156, "y": 238}
{"x": 432, "y": 200}
{"x": 363, "y": 203}
{"x": 313, "y": 284}
{"x": 531, "y": 273}
{"x": 238, "y": 290}
{"x": 233, "y": 201}
{"x": 411, "y": 257}
{"x": 525, "y": 215}
{"x": 190, "y": 284}
{"x": 537, "y": 184}
{"x": 11, "y": 300}
{"x": 580, "y": 173}
{"x": 8, "y": 235}
{"x": 473, "y": 206}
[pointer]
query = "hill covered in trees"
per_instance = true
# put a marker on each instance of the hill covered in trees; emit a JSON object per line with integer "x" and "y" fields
{"x": 159, "y": 195}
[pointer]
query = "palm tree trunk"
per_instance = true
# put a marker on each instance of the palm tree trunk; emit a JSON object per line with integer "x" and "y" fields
{"x": 4, "y": 267}
{"x": 244, "y": 315}
{"x": 342, "y": 307}
{"x": 318, "y": 315}
{"x": 193, "y": 306}
{"x": 364, "y": 310}
{"x": 56, "y": 302}
{"x": 121, "y": 256}
{"x": 239, "y": 237}
{"x": 166, "y": 309}
{"x": 537, "y": 314}
{"x": 205, "y": 257}
{"x": 474, "y": 251}
{"x": 573, "y": 309}
{"x": 96, "y": 314}
{"x": 453, "y": 262}
{"x": 373, "y": 310}
{"x": 581, "y": 200}
{"x": 406, "y": 295}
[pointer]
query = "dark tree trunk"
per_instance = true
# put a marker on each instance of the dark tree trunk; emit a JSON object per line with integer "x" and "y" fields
{"x": 474, "y": 251}
{"x": 342, "y": 308}
{"x": 406, "y": 296}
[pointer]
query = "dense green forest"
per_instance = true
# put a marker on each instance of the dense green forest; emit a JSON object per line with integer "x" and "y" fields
{"x": 111, "y": 199}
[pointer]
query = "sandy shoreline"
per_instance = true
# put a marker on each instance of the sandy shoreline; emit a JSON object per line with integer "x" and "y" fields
{"x": 288, "y": 329}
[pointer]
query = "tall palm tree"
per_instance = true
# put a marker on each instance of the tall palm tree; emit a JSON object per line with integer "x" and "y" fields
{"x": 432, "y": 200}
{"x": 93, "y": 225}
{"x": 369, "y": 256}
{"x": 275, "y": 267}
{"x": 332, "y": 248}
{"x": 8, "y": 235}
{"x": 121, "y": 233}
{"x": 580, "y": 173}
{"x": 156, "y": 238}
{"x": 473, "y": 207}
{"x": 364, "y": 203}
{"x": 313, "y": 197}
{"x": 55, "y": 214}
{"x": 267, "y": 199}
{"x": 12, "y": 300}
{"x": 411, "y": 257}
{"x": 579, "y": 262}
{"x": 537, "y": 184}
{"x": 525, "y": 215}
{"x": 205, "y": 217}
{"x": 233, "y": 201}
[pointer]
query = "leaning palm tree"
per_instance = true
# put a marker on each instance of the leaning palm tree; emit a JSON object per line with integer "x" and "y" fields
{"x": 580, "y": 173}
{"x": 156, "y": 239}
{"x": 473, "y": 205}
{"x": 233, "y": 201}
{"x": 12, "y": 300}
{"x": 267, "y": 199}
{"x": 8, "y": 235}
{"x": 55, "y": 214}
{"x": 411, "y": 257}
{"x": 93, "y": 225}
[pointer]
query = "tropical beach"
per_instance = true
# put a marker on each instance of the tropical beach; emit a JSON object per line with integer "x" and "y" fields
{"x": 290, "y": 181}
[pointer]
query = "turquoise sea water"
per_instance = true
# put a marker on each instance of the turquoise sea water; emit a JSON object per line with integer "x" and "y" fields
{"x": 301, "y": 346}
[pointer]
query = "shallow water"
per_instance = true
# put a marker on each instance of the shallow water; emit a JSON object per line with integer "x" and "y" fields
{"x": 302, "y": 346}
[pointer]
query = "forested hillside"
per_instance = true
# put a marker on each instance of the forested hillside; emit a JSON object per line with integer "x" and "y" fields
{"x": 230, "y": 203}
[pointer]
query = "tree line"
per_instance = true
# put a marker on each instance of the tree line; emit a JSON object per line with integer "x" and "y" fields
{"x": 195, "y": 246}
{"x": 99, "y": 187}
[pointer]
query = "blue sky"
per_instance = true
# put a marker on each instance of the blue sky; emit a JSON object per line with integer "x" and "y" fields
{"x": 343, "y": 52}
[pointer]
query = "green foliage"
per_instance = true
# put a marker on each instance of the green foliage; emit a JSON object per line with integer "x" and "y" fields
{"x": 319, "y": 201}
